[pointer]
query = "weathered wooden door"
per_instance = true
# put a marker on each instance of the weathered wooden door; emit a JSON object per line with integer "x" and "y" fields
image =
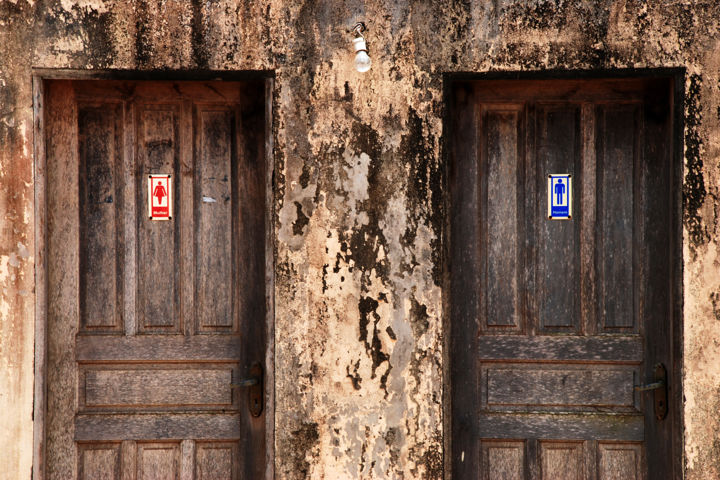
{"x": 150, "y": 322}
{"x": 553, "y": 323}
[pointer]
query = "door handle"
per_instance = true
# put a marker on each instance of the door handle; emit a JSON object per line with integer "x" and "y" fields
{"x": 254, "y": 384}
{"x": 659, "y": 385}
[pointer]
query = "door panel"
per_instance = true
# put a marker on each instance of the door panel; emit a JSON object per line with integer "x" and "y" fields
{"x": 151, "y": 322}
{"x": 553, "y": 322}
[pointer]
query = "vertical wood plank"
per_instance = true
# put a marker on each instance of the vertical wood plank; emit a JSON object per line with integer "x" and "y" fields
{"x": 557, "y": 265}
{"x": 250, "y": 263}
{"x": 591, "y": 460}
{"x": 266, "y": 157}
{"x": 187, "y": 460}
{"x": 41, "y": 290}
{"x": 128, "y": 455}
{"x": 501, "y": 237}
{"x": 99, "y": 132}
{"x": 157, "y": 137}
{"x": 214, "y": 182}
{"x": 616, "y": 173}
{"x": 532, "y": 459}
{"x": 186, "y": 217}
{"x": 533, "y": 198}
{"x": 63, "y": 278}
{"x": 655, "y": 234}
{"x": 463, "y": 285}
{"x": 588, "y": 202}
{"x": 129, "y": 209}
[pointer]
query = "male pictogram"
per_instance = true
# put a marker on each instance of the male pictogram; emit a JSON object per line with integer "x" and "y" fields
{"x": 559, "y": 196}
{"x": 159, "y": 192}
{"x": 559, "y": 192}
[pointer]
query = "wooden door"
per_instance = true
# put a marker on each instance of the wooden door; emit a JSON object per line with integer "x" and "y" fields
{"x": 150, "y": 322}
{"x": 554, "y": 322}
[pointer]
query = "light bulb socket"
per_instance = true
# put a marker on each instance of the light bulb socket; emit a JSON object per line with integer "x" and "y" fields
{"x": 359, "y": 44}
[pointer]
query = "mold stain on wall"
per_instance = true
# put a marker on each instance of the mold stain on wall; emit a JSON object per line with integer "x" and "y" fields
{"x": 358, "y": 192}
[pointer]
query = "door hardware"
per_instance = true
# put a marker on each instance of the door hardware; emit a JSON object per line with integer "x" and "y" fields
{"x": 649, "y": 386}
{"x": 254, "y": 383}
{"x": 659, "y": 385}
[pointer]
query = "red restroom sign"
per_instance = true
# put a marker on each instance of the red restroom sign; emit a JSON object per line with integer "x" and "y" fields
{"x": 160, "y": 197}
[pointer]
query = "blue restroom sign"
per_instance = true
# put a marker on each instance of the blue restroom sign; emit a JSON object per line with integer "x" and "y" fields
{"x": 560, "y": 196}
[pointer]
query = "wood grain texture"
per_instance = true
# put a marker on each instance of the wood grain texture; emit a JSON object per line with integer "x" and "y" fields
{"x": 99, "y": 461}
{"x": 187, "y": 460}
{"x": 617, "y": 137}
{"x": 464, "y": 279}
{"x": 138, "y": 387}
{"x": 138, "y": 370}
{"x": 215, "y": 460}
{"x": 41, "y": 290}
{"x": 580, "y": 426}
{"x": 593, "y": 297}
{"x": 158, "y": 461}
{"x": 504, "y": 460}
{"x": 128, "y": 458}
{"x": 619, "y": 349}
{"x": 561, "y": 460}
{"x": 618, "y": 461}
{"x": 100, "y": 150}
{"x": 502, "y": 205}
{"x": 157, "y": 266}
{"x": 557, "y": 267}
{"x": 117, "y": 427}
{"x": 214, "y": 220}
{"x": 63, "y": 252}
{"x": 557, "y": 386}
{"x": 222, "y": 348}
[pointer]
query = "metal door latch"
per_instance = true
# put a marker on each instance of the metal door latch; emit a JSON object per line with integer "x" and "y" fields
{"x": 660, "y": 386}
{"x": 254, "y": 383}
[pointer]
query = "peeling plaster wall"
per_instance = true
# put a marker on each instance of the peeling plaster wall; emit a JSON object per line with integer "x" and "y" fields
{"x": 358, "y": 196}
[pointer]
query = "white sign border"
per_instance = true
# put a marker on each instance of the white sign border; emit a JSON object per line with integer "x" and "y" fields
{"x": 549, "y": 196}
{"x": 170, "y": 195}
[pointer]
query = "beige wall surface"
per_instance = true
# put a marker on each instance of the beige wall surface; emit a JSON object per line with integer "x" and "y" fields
{"x": 358, "y": 196}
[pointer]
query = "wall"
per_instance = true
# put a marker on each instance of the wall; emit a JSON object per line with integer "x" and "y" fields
{"x": 359, "y": 333}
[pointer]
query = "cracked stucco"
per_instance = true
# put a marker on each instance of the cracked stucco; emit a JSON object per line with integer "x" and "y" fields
{"x": 358, "y": 193}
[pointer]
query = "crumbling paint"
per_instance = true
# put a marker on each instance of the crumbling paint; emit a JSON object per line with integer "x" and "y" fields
{"x": 359, "y": 192}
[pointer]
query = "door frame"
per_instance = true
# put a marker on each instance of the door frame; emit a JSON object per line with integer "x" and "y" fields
{"x": 453, "y": 336}
{"x": 39, "y": 77}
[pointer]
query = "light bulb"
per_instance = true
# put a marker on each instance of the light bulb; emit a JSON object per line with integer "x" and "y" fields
{"x": 362, "y": 62}
{"x": 362, "y": 59}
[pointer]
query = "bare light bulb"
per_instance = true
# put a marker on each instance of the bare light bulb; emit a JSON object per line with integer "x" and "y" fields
{"x": 362, "y": 59}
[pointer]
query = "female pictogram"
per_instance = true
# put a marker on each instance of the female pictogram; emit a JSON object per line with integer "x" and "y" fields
{"x": 160, "y": 197}
{"x": 159, "y": 192}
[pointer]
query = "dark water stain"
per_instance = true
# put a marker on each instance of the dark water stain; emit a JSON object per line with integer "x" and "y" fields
{"x": 302, "y": 441}
{"x": 425, "y": 180}
{"x": 369, "y": 319}
{"x": 301, "y": 220}
{"x": 199, "y": 51}
{"x": 694, "y": 191}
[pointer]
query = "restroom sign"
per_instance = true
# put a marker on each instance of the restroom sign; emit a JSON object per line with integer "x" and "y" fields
{"x": 160, "y": 197}
{"x": 560, "y": 196}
